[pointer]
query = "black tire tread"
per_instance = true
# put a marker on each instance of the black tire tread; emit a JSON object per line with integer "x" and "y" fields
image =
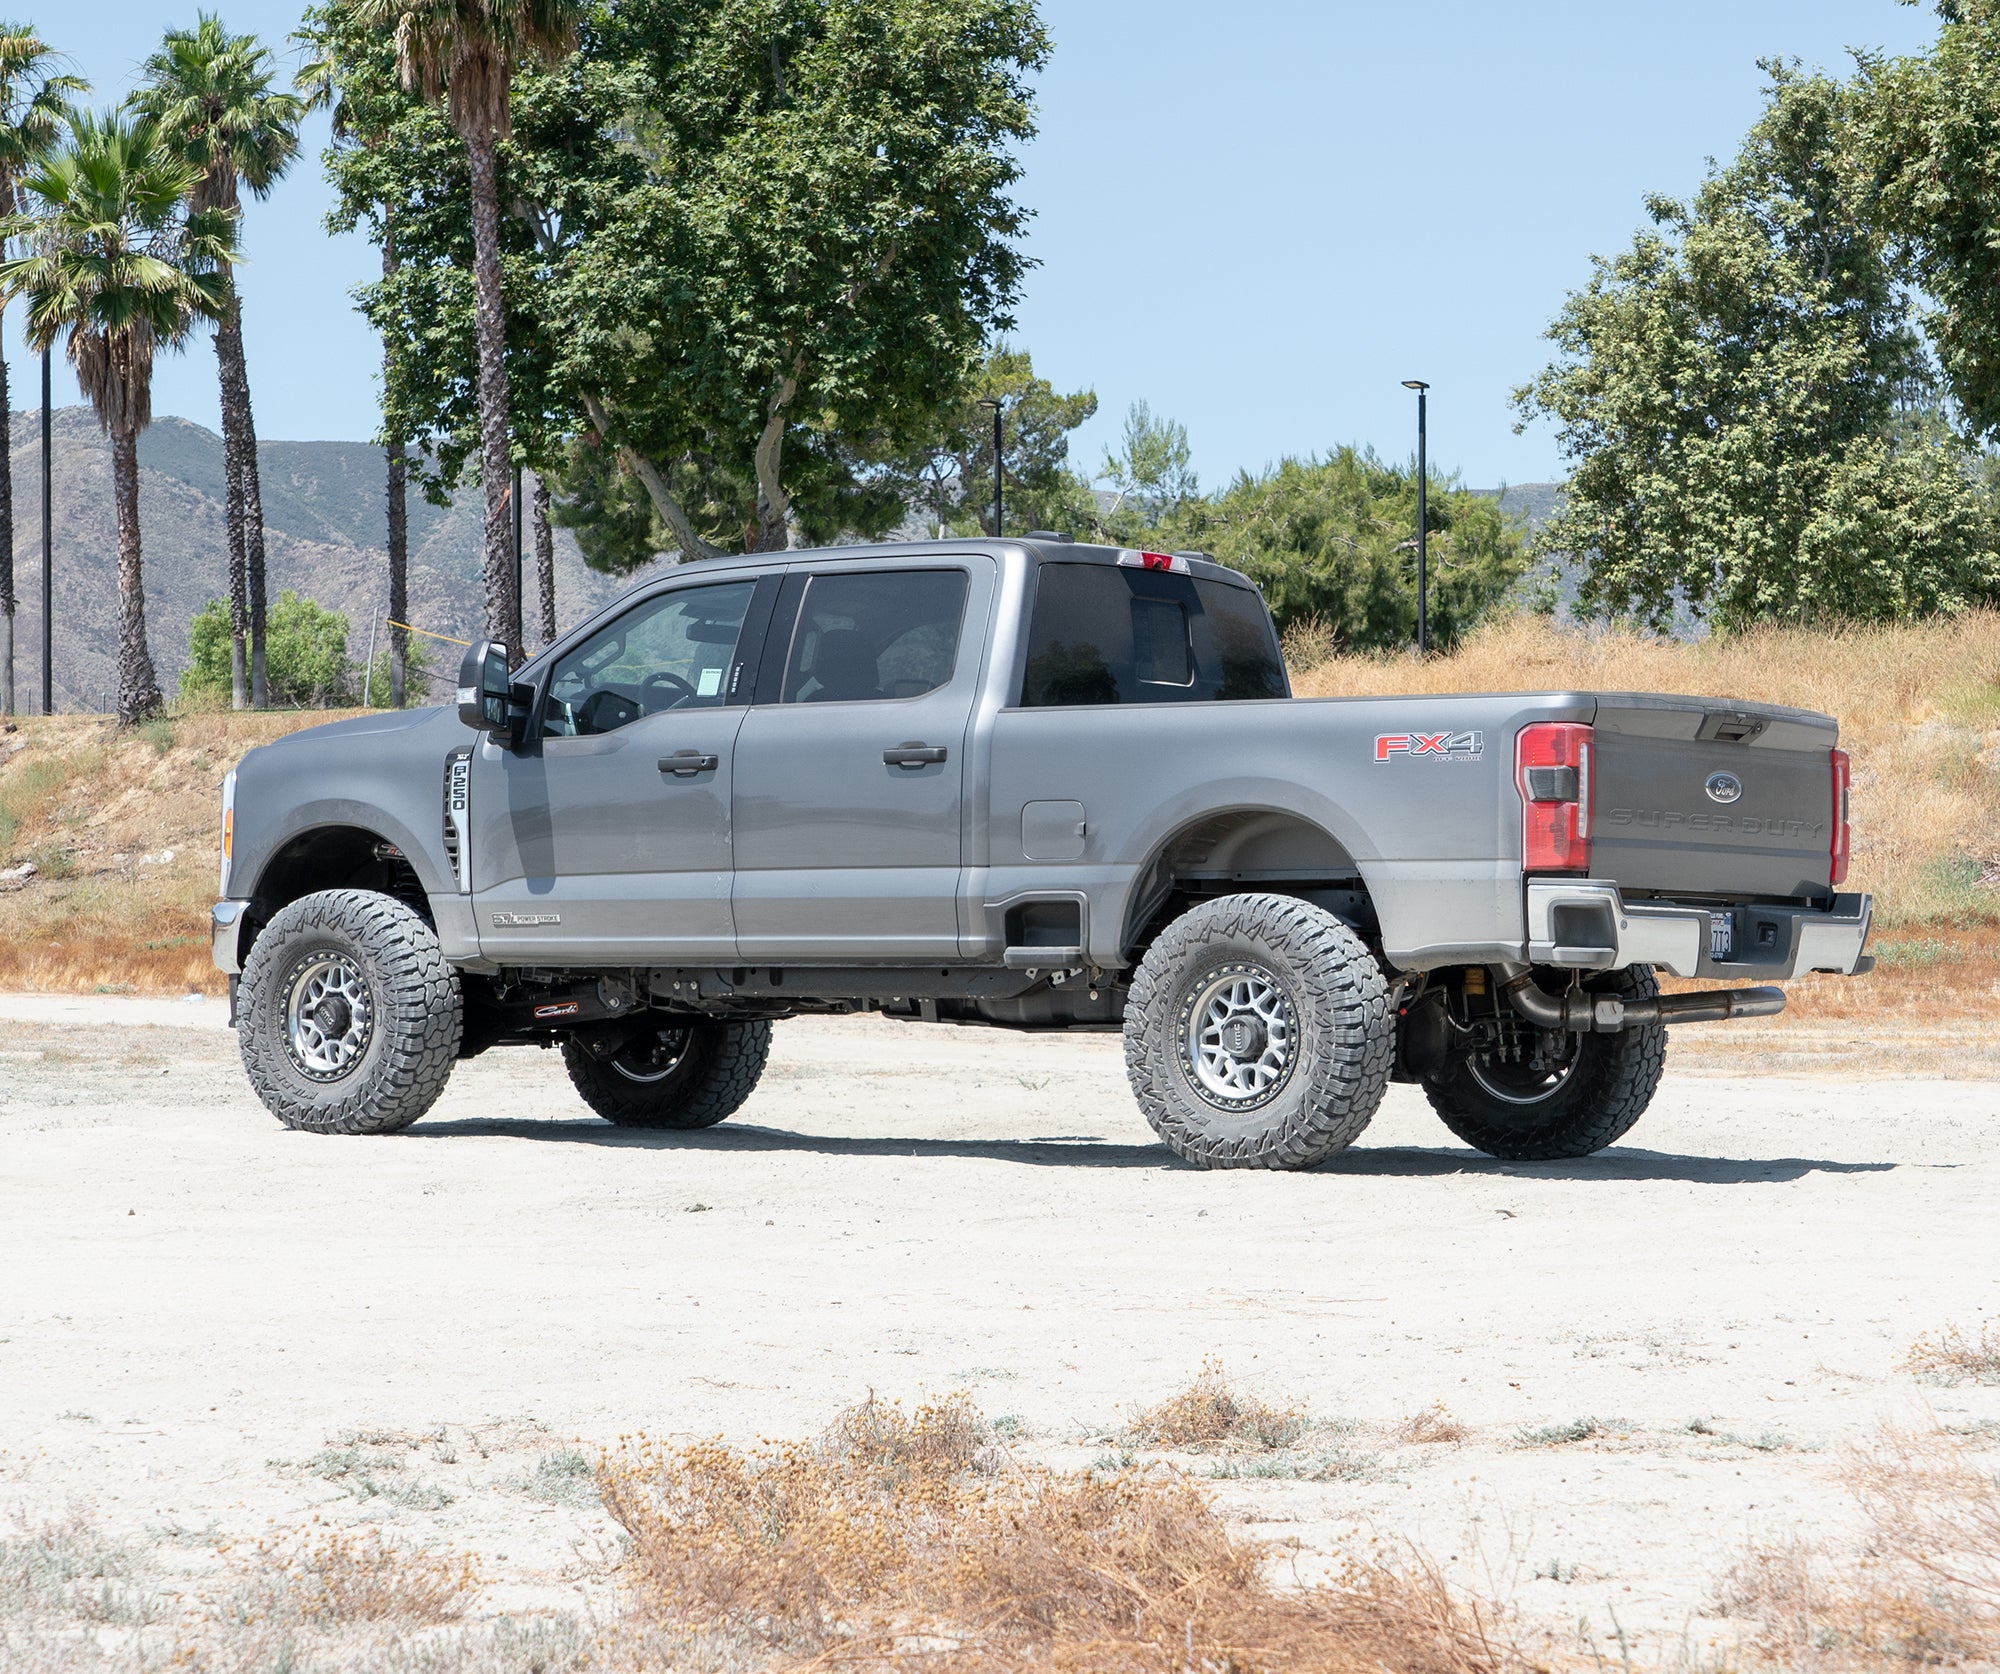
{"x": 1620, "y": 1086}
{"x": 729, "y": 1060}
{"x": 419, "y": 1024}
{"x": 1338, "y": 979}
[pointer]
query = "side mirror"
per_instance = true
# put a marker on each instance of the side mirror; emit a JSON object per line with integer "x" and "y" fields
{"x": 484, "y": 689}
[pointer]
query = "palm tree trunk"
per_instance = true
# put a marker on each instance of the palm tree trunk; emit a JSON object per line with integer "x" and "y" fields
{"x": 503, "y": 598}
{"x": 8, "y": 603}
{"x": 545, "y": 559}
{"x": 399, "y": 526}
{"x": 138, "y": 687}
{"x": 232, "y": 502}
{"x": 236, "y": 416}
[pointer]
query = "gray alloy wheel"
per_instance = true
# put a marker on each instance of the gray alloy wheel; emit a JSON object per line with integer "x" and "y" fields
{"x": 1258, "y": 1034}
{"x": 348, "y": 1015}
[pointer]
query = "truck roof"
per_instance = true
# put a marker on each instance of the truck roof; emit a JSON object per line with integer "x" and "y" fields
{"x": 1039, "y": 547}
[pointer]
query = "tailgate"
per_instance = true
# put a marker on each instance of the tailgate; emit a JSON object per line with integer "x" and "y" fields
{"x": 1702, "y": 796}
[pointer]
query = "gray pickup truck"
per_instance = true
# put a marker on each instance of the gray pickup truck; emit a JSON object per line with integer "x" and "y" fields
{"x": 1033, "y": 784}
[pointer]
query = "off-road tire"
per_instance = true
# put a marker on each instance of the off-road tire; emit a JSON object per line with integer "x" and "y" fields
{"x": 413, "y": 1013}
{"x": 1341, "y": 1029}
{"x": 718, "y": 1069}
{"x": 1605, "y": 1092}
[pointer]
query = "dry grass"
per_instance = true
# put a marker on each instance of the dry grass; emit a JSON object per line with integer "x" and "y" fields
{"x": 1924, "y": 1588}
{"x": 95, "y": 809}
{"x": 1919, "y": 711}
{"x": 1210, "y": 1413}
{"x": 1950, "y": 1357}
{"x": 1434, "y": 1424}
{"x": 898, "y": 1542}
{"x": 333, "y": 1577}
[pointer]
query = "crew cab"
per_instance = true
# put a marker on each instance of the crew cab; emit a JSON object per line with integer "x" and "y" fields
{"x": 1031, "y": 784}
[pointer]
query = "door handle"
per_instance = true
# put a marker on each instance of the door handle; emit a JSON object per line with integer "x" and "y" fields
{"x": 913, "y": 753}
{"x": 685, "y": 764}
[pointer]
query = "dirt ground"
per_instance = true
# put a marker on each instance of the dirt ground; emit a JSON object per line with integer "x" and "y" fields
{"x": 211, "y": 1328}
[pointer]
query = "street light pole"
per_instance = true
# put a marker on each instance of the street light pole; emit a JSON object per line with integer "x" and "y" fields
{"x": 1423, "y": 523}
{"x": 48, "y": 540}
{"x": 998, "y": 404}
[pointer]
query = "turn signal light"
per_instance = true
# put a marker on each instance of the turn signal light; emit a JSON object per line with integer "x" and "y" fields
{"x": 1842, "y": 775}
{"x": 1552, "y": 772}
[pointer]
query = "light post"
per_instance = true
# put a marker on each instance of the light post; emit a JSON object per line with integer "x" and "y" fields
{"x": 1423, "y": 523}
{"x": 998, "y": 404}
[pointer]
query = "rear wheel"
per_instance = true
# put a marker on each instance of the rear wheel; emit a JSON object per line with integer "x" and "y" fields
{"x": 1543, "y": 1094}
{"x": 1258, "y": 1034}
{"x": 690, "y": 1075}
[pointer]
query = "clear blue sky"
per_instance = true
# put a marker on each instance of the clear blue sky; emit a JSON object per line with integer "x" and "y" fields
{"x": 1259, "y": 217}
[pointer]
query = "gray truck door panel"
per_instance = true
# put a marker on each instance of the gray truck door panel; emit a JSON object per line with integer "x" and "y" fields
{"x": 607, "y": 837}
{"x": 848, "y": 798}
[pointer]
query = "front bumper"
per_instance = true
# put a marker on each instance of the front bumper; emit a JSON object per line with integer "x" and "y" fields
{"x": 1588, "y": 925}
{"x": 225, "y": 935}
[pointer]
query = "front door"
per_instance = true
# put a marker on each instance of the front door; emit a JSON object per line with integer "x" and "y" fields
{"x": 606, "y": 834}
{"x": 850, "y": 766}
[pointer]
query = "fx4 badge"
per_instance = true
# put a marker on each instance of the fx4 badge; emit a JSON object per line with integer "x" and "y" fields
{"x": 1443, "y": 746}
{"x": 518, "y": 921}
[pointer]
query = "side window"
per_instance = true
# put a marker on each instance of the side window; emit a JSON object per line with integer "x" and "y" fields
{"x": 1103, "y": 633}
{"x": 874, "y": 635}
{"x": 671, "y": 652}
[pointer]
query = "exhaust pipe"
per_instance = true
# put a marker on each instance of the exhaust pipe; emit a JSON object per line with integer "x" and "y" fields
{"x": 1605, "y": 1014}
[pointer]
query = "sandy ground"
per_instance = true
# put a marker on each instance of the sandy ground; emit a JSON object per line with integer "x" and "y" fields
{"x": 211, "y": 1328}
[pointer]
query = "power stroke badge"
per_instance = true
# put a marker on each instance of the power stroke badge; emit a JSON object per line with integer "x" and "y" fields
{"x": 1434, "y": 746}
{"x": 521, "y": 921}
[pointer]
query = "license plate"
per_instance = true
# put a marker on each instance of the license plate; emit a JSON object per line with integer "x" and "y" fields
{"x": 1722, "y": 937}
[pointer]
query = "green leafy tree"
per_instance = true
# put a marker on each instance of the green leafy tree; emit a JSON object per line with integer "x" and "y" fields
{"x": 1727, "y": 391}
{"x": 210, "y": 95}
{"x": 1152, "y": 473}
{"x": 757, "y": 250}
{"x": 306, "y": 656}
{"x": 34, "y": 100}
{"x": 949, "y": 477}
{"x": 465, "y": 53}
{"x": 120, "y": 267}
{"x": 1926, "y": 133}
{"x": 1332, "y": 543}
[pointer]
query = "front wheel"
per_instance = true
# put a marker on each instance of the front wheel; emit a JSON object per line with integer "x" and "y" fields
{"x": 348, "y": 1015}
{"x": 1540, "y": 1095}
{"x": 690, "y": 1075}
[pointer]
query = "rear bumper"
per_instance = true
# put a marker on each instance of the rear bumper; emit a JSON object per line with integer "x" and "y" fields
{"x": 1588, "y": 925}
{"x": 225, "y": 934}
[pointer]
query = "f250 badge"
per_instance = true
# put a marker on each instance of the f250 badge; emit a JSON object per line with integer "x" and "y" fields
{"x": 1440, "y": 746}
{"x": 520, "y": 921}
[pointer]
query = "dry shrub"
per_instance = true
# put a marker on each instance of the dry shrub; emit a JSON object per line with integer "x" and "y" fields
{"x": 1925, "y": 1588}
{"x": 1434, "y": 1423}
{"x": 1210, "y": 1413}
{"x": 889, "y": 1544}
{"x": 1949, "y": 1356}
{"x": 330, "y": 1577}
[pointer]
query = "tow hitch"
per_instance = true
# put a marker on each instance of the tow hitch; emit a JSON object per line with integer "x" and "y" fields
{"x": 1606, "y": 1015}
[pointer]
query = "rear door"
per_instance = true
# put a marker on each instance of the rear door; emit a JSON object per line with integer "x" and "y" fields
{"x": 1699, "y": 796}
{"x": 850, "y": 765}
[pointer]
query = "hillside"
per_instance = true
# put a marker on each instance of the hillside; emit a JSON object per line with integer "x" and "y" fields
{"x": 325, "y": 526}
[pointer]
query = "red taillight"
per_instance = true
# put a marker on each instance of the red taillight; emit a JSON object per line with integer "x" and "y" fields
{"x": 1842, "y": 775}
{"x": 1552, "y": 771}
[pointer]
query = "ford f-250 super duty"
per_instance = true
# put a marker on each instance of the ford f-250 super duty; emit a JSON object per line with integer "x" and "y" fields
{"x": 1034, "y": 784}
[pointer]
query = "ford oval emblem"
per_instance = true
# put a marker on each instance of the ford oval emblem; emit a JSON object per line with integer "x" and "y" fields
{"x": 1723, "y": 787}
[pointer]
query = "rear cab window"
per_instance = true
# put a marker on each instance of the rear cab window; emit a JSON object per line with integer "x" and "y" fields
{"x": 1111, "y": 633}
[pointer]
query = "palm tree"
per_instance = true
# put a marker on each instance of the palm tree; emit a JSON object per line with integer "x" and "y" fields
{"x": 121, "y": 266}
{"x": 34, "y": 99}
{"x": 465, "y": 52}
{"x": 211, "y": 96}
